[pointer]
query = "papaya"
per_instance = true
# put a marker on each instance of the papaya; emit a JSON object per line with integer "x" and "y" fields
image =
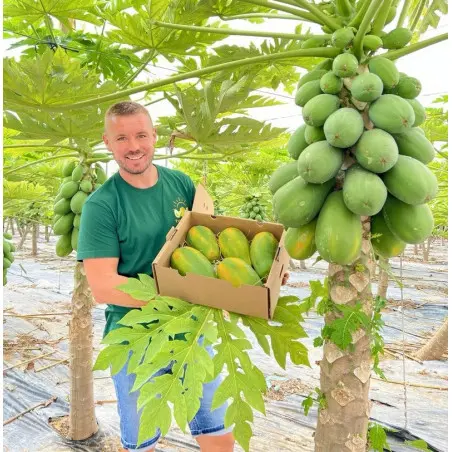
{"x": 6, "y": 263}
{"x": 372, "y": 42}
{"x": 56, "y": 218}
{"x": 58, "y": 197}
{"x": 408, "y": 88}
{"x": 66, "y": 179}
{"x": 338, "y": 233}
{"x": 203, "y": 239}
{"x": 313, "y": 134}
{"x": 320, "y": 162}
{"x": 342, "y": 38}
{"x": 312, "y": 75}
{"x": 68, "y": 168}
{"x": 237, "y": 272}
{"x": 315, "y": 41}
{"x": 391, "y": 14}
{"x": 300, "y": 242}
{"x": 233, "y": 243}
{"x": 376, "y": 151}
{"x": 384, "y": 242}
{"x": 386, "y": 70}
{"x": 262, "y": 252}
{"x": 63, "y": 245}
{"x": 297, "y": 142}
{"x": 419, "y": 112}
{"x": 298, "y": 202}
{"x": 62, "y": 207}
{"x": 345, "y": 65}
{"x": 343, "y": 128}
{"x": 77, "y": 201}
{"x": 411, "y": 181}
{"x": 86, "y": 186}
{"x": 411, "y": 224}
{"x": 367, "y": 87}
{"x": 76, "y": 221}
{"x": 331, "y": 83}
{"x": 397, "y": 38}
{"x": 391, "y": 113}
{"x": 307, "y": 92}
{"x": 317, "y": 110}
{"x": 64, "y": 224}
{"x": 416, "y": 145}
{"x": 9, "y": 256}
{"x": 74, "y": 239}
{"x": 6, "y": 247}
{"x": 69, "y": 189}
{"x": 326, "y": 64}
{"x": 188, "y": 260}
{"x": 77, "y": 174}
{"x": 12, "y": 247}
{"x": 282, "y": 175}
{"x": 7, "y": 235}
{"x": 364, "y": 192}
{"x": 101, "y": 175}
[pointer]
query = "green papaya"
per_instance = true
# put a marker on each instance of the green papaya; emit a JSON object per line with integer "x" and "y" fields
{"x": 343, "y": 128}
{"x": 314, "y": 42}
{"x": 331, "y": 83}
{"x": 62, "y": 207}
{"x": 342, "y": 38}
{"x": 415, "y": 144}
{"x": 391, "y": 113}
{"x": 386, "y": 70}
{"x": 324, "y": 65}
{"x": 419, "y": 112}
{"x": 345, "y": 65}
{"x": 338, "y": 234}
{"x": 317, "y": 110}
{"x": 364, "y": 192}
{"x": 300, "y": 242}
{"x": 297, "y": 143}
{"x": 367, "y": 87}
{"x": 312, "y": 75}
{"x": 77, "y": 174}
{"x": 397, "y": 38}
{"x": 320, "y": 162}
{"x": 282, "y": 175}
{"x": 74, "y": 239}
{"x": 86, "y": 186}
{"x": 76, "y": 221}
{"x": 384, "y": 242}
{"x": 372, "y": 42}
{"x": 408, "y": 88}
{"x": 314, "y": 134}
{"x": 68, "y": 168}
{"x": 101, "y": 175}
{"x": 64, "y": 224}
{"x": 203, "y": 239}
{"x": 238, "y": 272}
{"x": 7, "y": 235}
{"x": 233, "y": 243}
{"x": 63, "y": 245}
{"x": 77, "y": 201}
{"x": 410, "y": 181}
{"x": 189, "y": 260}
{"x": 307, "y": 92}
{"x": 262, "y": 252}
{"x": 69, "y": 189}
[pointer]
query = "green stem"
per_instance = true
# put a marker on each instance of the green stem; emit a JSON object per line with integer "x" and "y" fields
{"x": 362, "y": 30}
{"x": 296, "y": 12}
{"x": 321, "y": 52}
{"x": 163, "y": 157}
{"x": 99, "y": 43}
{"x": 404, "y": 13}
{"x": 320, "y": 15}
{"x": 380, "y": 19}
{"x": 418, "y": 14}
{"x": 356, "y": 21}
{"x": 139, "y": 70}
{"x": 344, "y": 7}
{"x": 394, "y": 54}
{"x": 226, "y": 31}
{"x": 37, "y": 162}
{"x": 29, "y": 145}
{"x": 259, "y": 16}
{"x": 48, "y": 22}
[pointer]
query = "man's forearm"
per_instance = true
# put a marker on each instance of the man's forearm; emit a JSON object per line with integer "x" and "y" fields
{"x": 109, "y": 294}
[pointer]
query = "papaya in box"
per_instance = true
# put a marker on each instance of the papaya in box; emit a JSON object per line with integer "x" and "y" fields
{"x": 256, "y": 301}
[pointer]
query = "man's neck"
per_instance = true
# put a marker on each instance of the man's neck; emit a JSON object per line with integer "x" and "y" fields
{"x": 145, "y": 180}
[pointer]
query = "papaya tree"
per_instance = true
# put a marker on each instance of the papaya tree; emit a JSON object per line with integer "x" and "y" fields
{"x": 352, "y": 93}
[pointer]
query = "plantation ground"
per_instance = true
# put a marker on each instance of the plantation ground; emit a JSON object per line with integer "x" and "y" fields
{"x": 43, "y": 285}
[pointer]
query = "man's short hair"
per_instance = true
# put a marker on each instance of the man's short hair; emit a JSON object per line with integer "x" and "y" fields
{"x": 126, "y": 108}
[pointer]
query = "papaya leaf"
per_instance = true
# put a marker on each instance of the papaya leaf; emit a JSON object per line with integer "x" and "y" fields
{"x": 114, "y": 356}
{"x": 377, "y": 438}
{"x": 140, "y": 289}
{"x": 418, "y": 444}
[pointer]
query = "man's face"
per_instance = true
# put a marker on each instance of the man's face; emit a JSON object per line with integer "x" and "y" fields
{"x": 131, "y": 139}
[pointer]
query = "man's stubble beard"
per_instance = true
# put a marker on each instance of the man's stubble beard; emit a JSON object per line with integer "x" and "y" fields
{"x": 124, "y": 167}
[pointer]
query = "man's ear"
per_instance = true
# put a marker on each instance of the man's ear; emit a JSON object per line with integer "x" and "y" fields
{"x": 104, "y": 137}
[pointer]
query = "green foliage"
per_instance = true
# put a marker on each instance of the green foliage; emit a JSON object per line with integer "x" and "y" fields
{"x": 377, "y": 341}
{"x": 168, "y": 331}
{"x": 320, "y": 398}
{"x": 418, "y": 444}
{"x": 377, "y": 438}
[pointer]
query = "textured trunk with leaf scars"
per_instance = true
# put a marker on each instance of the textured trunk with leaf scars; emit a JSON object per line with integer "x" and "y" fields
{"x": 82, "y": 418}
{"x": 34, "y": 239}
{"x": 436, "y": 347}
{"x": 345, "y": 374}
{"x": 383, "y": 280}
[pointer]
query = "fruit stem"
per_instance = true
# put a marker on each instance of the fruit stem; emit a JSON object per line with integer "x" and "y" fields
{"x": 404, "y": 13}
{"x": 418, "y": 15}
{"x": 394, "y": 54}
{"x": 321, "y": 52}
{"x": 369, "y": 15}
{"x": 344, "y": 7}
{"x": 258, "y": 16}
{"x": 328, "y": 21}
{"x": 356, "y": 21}
{"x": 380, "y": 19}
{"x": 295, "y": 11}
{"x": 37, "y": 162}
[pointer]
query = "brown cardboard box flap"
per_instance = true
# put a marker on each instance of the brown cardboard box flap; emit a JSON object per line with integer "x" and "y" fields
{"x": 203, "y": 203}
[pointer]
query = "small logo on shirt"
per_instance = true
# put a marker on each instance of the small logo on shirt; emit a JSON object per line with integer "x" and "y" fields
{"x": 179, "y": 208}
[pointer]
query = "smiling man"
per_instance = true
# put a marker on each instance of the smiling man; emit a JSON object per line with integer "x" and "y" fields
{"x": 123, "y": 226}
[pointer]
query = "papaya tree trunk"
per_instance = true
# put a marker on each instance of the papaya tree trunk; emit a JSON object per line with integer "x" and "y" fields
{"x": 5, "y": 225}
{"x": 82, "y": 419}
{"x": 436, "y": 347}
{"x": 383, "y": 280}
{"x": 11, "y": 223}
{"x": 302, "y": 264}
{"x": 415, "y": 249}
{"x": 426, "y": 249}
{"x": 25, "y": 231}
{"x": 442, "y": 241}
{"x": 292, "y": 264}
{"x": 34, "y": 239}
{"x": 19, "y": 228}
{"x": 345, "y": 373}
{"x": 47, "y": 233}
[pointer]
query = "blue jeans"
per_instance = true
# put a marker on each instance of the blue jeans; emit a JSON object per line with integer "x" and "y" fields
{"x": 205, "y": 421}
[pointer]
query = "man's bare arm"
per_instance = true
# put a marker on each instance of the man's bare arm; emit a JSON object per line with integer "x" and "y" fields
{"x": 103, "y": 278}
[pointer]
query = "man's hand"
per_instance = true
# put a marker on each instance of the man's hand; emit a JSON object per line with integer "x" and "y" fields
{"x": 285, "y": 278}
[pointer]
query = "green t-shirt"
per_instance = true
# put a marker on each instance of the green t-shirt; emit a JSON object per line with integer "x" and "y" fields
{"x": 130, "y": 223}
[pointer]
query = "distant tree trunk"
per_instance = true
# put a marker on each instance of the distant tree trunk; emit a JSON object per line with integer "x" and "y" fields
{"x": 302, "y": 265}
{"x": 11, "y": 223}
{"x": 5, "y": 224}
{"x": 442, "y": 240}
{"x": 383, "y": 280}
{"x": 25, "y": 231}
{"x": 20, "y": 228}
{"x": 426, "y": 249}
{"x": 47, "y": 233}
{"x": 292, "y": 264}
{"x": 34, "y": 239}
{"x": 437, "y": 345}
{"x": 415, "y": 249}
{"x": 373, "y": 269}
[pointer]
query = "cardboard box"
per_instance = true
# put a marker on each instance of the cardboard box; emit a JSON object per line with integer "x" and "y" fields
{"x": 257, "y": 301}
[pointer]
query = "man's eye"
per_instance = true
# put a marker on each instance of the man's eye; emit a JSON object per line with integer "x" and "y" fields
{"x": 143, "y": 136}
{"x": 121, "y": 138}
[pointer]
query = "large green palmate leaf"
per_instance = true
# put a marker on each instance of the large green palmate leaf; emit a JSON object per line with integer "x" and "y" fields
{"x": 167, "y": 332}
{"x": 35, "y": 12}
{"x": 423, "y": 15}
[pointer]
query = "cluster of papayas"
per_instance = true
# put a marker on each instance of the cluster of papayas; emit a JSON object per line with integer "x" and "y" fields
{"x": 229, "y": 256}
{"x": 79, "y": 181}
{"x": 253, "y": 208}
{"x": 359, "y": 153}
{"x": 8, "y": 256}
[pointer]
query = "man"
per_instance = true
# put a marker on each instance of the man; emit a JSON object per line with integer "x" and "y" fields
{"x": 123, "y": 226}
